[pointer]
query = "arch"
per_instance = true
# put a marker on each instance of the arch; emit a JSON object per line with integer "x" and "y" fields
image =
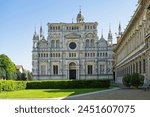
{"x": 57, "y": 43}
{"x": 72, "y": 70}
{"x": 72, "y": 65}
{"x": 89, "y": 35}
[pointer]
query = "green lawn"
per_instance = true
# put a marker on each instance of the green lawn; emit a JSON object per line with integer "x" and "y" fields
{"x": 45, "y": 93}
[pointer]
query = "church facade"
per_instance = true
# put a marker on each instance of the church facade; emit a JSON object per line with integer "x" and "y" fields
{"x": 72, "y": 51}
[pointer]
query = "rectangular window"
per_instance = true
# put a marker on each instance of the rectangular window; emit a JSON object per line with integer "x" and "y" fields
{"x": 90, "y": 69}
{"x": 69, "y": 54}
{"x": 55, "y": 69}
{"x": 85, "y": 54}
{"x": 101, "y": 69}
{"x": 43, "y": 69}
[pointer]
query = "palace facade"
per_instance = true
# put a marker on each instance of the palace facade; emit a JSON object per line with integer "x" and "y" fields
{"x": 132, "y": 52}
{"x": 72, "y": 51}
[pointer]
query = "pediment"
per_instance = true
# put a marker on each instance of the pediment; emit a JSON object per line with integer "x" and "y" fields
{"x": 72, "y": 36}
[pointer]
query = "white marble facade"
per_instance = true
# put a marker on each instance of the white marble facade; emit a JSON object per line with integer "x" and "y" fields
{"x": 72, "y": 51}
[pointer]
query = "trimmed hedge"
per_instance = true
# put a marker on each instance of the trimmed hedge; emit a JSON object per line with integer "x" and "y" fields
{"x": 68, "y": 84}
{"x": 9, "y": 85}
{"x": 0, "y": 86}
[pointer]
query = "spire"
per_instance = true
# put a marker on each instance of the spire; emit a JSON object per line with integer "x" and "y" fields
{"x": 119, "y": 29}
{"x": 109, "y": 27}
{"x": 41, "y": 31}
{"x": 80, "y": 9}
{"x": 35, "y": 31}
{"x": 119, "y": 32}
{"x": 109, "y": 37}
{"x": 109, "y": 33}
{"x": 35, "y": 34}
{"x": 80, "y": 17}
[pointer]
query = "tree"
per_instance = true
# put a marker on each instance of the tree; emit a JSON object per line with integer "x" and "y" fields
{"x": 23, "y": 76}
{"x": 9, "y": 67}
{"x": 2, "y": 73}
{"x": 29, "y": 75}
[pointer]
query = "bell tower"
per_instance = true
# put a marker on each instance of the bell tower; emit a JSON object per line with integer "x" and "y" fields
{"x": 80, "y": 17}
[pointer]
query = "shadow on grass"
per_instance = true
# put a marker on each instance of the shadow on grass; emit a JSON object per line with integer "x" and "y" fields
{"x": 68, "y": 92}
{"x": 72, "y": 92}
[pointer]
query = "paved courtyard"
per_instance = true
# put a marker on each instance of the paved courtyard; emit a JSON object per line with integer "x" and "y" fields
{"x": 115, "y": 94}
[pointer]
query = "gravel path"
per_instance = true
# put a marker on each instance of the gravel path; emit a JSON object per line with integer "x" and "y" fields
{"x": 116, "y": 94}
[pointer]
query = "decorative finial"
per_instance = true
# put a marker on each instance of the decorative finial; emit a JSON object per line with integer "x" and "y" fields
{"x": 41, "y": 31}
{"x": 109, "y": 34}
{"x": 35, "y": 30}
{"x": 109, "y": 28}
{"x": 72, "y": 20}
{"x": 80, "y": 8}
{"x": 119, "y": 29}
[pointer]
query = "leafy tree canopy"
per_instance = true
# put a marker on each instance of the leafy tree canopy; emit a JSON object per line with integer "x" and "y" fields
{"x": 8, "y": 66}
{"x": 2, "y": 73}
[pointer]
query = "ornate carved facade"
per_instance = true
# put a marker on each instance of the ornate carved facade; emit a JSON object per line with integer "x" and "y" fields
{"x": 72, "y": 51}
{"x": 133, "y": 47}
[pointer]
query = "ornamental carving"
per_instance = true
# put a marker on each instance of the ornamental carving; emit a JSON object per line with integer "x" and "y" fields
{"x": 72, "y": 36}
{"x": 55, "y": 36}
{"x": 90, "y": 35}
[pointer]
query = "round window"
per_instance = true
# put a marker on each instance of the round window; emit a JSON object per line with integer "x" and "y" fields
{"x": 72, "y": 45}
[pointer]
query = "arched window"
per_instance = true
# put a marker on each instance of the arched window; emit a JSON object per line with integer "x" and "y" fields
{"x": 92, "y": 43}
{"x": 87, "y": 43}
{"x": 57, "y": 43}
{"x": 52, "y": 43}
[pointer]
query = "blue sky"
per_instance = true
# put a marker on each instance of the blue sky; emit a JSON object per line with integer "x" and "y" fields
{"x": 18, "y": 19}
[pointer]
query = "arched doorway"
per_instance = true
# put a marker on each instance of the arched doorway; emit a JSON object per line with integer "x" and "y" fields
{"x": 72, "y": 70}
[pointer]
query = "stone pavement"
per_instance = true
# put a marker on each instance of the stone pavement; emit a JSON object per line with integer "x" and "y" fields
{"x": 116, "y": 94}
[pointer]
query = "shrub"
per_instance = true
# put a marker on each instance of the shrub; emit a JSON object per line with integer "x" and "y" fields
{"x": 135, "y": 80}
{"x": 20, "y": 85}
{"x": 68, "y": 84}
{"x": 0, "y": 86}
{"x": 126, "y": 80}
{"x": 9, "y": 85}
